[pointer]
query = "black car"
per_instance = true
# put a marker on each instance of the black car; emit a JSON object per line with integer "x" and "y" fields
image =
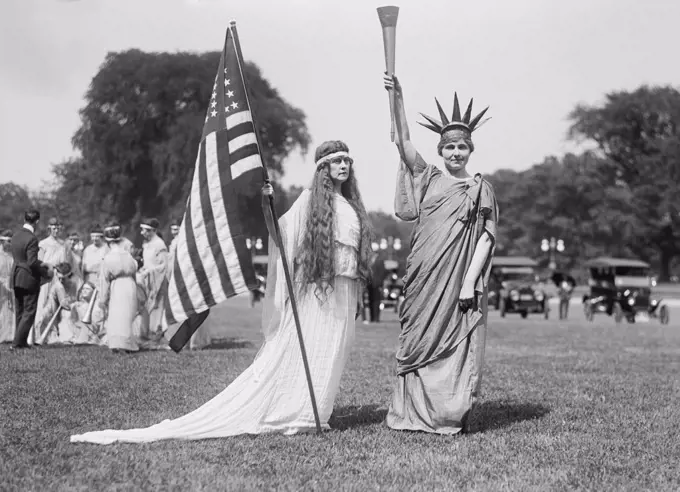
{"x": 513, "y": 287}
{"x": 621, "y": 288}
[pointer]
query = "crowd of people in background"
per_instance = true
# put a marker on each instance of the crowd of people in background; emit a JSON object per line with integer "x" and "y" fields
{"x": 57, "y": 290}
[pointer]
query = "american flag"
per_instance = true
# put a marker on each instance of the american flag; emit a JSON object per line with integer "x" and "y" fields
{"x": 212, "y": 261}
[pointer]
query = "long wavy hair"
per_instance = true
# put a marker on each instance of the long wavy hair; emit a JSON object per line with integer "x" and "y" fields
{"x": 318, "y": 244}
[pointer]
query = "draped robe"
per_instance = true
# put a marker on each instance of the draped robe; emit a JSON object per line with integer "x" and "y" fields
{"x": 441, "y": 349}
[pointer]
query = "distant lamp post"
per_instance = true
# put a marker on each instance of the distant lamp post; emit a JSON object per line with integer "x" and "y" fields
{"x": 551, "y": 246}
{"x": 254, "y": 244}
{"x": 391, "y": 244}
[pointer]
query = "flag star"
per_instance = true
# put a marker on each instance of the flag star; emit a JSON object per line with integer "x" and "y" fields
{"x": 226, "y": 82}
{"x": 226, "y": 108}
{"x": 234, "y": 105}
{"x": 214, "y": 94}
{"x": 230, "y": 93}
{"x": 213, "y": 113}
{"x": 213, "y": 104}
{"x": 225, "y": 70}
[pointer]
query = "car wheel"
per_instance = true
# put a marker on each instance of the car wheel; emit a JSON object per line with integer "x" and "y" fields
{"x": 664, "y": 317}
{"x": 501, "y": 308}
{"x": 524, "y": 314}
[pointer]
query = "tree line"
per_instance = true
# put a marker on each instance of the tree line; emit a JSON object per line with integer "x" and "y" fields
{"x": 143, "y": 116}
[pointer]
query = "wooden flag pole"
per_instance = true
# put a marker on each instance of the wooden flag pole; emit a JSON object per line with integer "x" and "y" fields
{"x": 279, "y": 243}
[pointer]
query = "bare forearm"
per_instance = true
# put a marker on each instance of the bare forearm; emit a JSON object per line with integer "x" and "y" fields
{"x": 402, "y": 135}
{"x": 482, "y": 251}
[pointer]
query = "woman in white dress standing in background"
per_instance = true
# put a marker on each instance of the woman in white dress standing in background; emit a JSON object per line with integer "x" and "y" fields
{"x": 327, "y": 242}
{"x": 118, "y": 292}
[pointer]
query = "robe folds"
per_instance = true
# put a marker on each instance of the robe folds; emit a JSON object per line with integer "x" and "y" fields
{"x": 441, "y": 349}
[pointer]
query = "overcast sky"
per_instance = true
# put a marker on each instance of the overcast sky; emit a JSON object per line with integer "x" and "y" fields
{"x": 532, "y": 61}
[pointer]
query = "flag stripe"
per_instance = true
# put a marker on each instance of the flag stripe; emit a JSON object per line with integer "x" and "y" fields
{"x": 231, "y": 230}
{"x": 245, "y": 165}
{"x": 184, "y": 299}
{"x": 197, "y": 247}
{"x": 236, "y": 119}
{"x": 213, "y": 214}
{"x": 240, "y": 129}
{"x": 215, "y": 187}
{"x": 181, "y": 297}
{"x": 240, "y": 142}
{"x": 196, "y": 255}
{"x": 242, "y": 153}
{"x": 255, "y": 175}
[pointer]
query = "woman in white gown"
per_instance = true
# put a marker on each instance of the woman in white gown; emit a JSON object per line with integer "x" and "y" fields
{"x": 327, "y": 242}
{"x": 118, "y": 290}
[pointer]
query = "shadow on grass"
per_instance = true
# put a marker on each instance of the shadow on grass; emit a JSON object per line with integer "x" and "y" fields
{"x": 487, "y": 416}
{"x": 228, "y": 343}
{"x": 344, "y": 418}
{"x": 491, "y": 415}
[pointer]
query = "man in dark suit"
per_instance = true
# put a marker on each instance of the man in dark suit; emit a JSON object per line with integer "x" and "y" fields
{"x": 26, "y": 277}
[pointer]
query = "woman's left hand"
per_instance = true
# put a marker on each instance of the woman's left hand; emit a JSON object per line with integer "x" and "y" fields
{"x": 467, "y": 296}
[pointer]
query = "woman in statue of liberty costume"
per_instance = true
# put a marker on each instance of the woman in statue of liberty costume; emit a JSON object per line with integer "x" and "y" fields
{"x": 443, "y": 316}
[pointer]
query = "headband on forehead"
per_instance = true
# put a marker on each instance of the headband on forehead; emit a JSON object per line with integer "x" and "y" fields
{"x": 5, "y": 238}
{"x": 112, "y": 228}
{"x": 330, "y": 157}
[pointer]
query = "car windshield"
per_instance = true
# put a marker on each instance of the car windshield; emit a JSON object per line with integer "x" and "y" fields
{"x": 518, "y": 277}
{"x": 632, "y": 271}
{"x": 620, "y": 271}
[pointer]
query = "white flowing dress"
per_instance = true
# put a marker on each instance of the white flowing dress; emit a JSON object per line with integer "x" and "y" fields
{"x": 272, "y": 394}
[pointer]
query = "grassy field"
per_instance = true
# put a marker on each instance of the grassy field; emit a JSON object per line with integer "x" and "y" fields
{"x": 566, "y": 406}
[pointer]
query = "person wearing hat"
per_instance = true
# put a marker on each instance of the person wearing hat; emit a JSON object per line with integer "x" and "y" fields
{"x": 27, "y": 275}
{"x": 7, "y": 314}
{"x": 153, "y": 274}
{"x": 94, "y": 254}
{"x": 444, "y": 313}
{"x": 53, "y": 250}
{"x": 118, "y": 293}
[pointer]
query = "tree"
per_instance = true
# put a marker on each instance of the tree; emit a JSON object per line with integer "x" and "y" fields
{"x": 14, "y": 200}
{"x": 639, "y": 133}
{"x": 140, "y": 131}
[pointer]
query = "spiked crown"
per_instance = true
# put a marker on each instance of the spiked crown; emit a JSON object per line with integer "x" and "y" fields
{"x": 466, "y": 122}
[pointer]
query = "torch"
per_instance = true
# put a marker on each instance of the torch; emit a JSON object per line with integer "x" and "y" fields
{"x": 388, "y": 19}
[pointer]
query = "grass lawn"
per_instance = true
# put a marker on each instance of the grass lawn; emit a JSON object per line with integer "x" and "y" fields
{"x": 566, "y": 405}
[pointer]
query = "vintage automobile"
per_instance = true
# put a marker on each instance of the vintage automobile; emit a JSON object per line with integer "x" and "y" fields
{"x": 393, "y": 288}
{"x": 622, "y": 288}
{"x": 260, "y": 263}
{"x": 514, "y": 287}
